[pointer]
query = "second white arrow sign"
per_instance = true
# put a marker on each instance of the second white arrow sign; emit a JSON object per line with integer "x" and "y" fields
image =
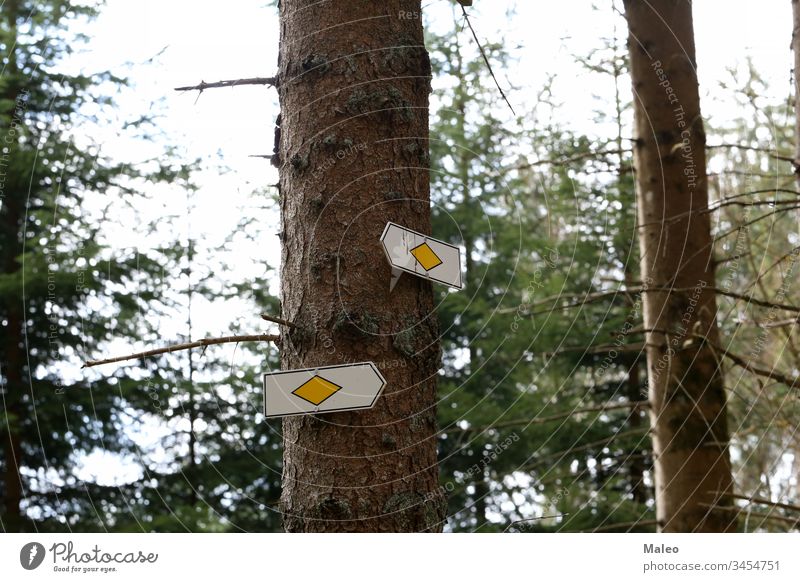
{"x": 323, "y": 389}
{"x": 421, "y": 255}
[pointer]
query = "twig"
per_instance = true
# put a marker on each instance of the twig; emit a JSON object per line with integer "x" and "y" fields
{"x": 510, "y": 525}
{"x": 604, "y": 349}
{"x": 273, "y": 81}
{"x": 752, "y": 149}
{"x": 760, "y": 501}
{"x": 188, "y": 346}
{"x": 568, "y": 160}
{"x": 742, "y": 363}
{"x": 600, "y": 295}
{"x": 278, "y": 320}
{"x": 794, "y": 521}
{"x": 486, "y": 59}
{"x": 571, "y": 450}
{"x": 782, "y": 323}
{"x": 542, "y": 420}
{"x": 628, "y": 524}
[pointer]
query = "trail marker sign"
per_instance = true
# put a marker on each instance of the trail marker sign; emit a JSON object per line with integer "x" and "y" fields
{"x": 411, "y": 252}
{"x": 323, "y": 389}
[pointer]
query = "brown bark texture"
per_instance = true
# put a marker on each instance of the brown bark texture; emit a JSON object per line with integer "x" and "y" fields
{"x": 685, "y": 384}
{"x": 354, "y": 80}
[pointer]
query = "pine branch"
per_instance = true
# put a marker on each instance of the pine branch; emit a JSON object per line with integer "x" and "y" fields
{"x": 271, "y": 81}
{"x": 486, "y": 59}
{"x": 187, "y": 346}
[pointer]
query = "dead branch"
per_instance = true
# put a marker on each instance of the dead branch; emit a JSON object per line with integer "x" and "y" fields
{"x": 271, "y": 81}
{"x": 568, "y": 160}
{"x": 791, "y": 382}
{"x": 486, "y": 59}
{"x": 604, "y": 349}
{"x": 187, "y": 346}
{"x": 627, "y": 524}
{"x": 760, "y": 501}
{"x": 751, "y": 149}
{"x": 278, "y": 320}
{"x": 758, "y": 515}
{"x": 782, "y": 323}
{"x": 600, "y": 295}
{"x": 605, "y": 441}
{"x": 544, "y": 419}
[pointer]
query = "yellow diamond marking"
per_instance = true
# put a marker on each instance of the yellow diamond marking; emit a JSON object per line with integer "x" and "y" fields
{"x": 317, "y": 390}
{"x": 426, "y": 257}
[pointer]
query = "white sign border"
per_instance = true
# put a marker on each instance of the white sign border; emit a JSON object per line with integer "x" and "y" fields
{"x": 316, "y": 370}
{"x": 426, "y": 239}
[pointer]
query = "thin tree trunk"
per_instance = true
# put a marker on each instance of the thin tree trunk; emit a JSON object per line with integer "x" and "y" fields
{"x": 686, "y": 391}
{"x": 636, "y": 462}
{"x": 796, "y": 49}
{"x": 353, "y": 155}
{"x": 13, "y": 362}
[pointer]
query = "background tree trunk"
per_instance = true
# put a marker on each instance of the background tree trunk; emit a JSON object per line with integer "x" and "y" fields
{"x": 354, "y": 85}
{"x": 12, "y": 361}
{"x": 796, "y": 49}
{"x": 686, "y": 391}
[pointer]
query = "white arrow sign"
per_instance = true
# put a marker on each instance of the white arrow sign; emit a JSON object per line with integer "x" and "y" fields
{"x": 421, "y": 255}
{"x": 323, "y": 389}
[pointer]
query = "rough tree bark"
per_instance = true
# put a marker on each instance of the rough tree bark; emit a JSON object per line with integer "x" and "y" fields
{"x": 686, "y": 391}
{"x": 354, "y": 79}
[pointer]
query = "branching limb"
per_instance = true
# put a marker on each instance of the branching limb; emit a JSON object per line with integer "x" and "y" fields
{"x": 203, "y": 343}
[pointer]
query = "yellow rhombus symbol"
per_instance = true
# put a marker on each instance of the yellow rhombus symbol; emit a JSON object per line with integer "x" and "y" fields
{"x": 316, "y": 390}
{"x": 426, "y": 257}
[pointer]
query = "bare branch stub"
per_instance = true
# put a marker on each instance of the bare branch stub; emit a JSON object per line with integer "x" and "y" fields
{"x": 202, "y": 86}
{"x": 278, "y": 320}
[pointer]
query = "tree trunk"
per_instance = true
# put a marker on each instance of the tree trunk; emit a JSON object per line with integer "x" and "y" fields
{"x": 353, "y": 155}
{"x": 796, "y": 49}
{"x": 686, "y": 391}
{"x": 12, "y": 359}
{"x": 636, "y": 462}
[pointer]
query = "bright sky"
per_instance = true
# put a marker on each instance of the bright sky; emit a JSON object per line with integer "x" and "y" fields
{"x": 161, "y": 44}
